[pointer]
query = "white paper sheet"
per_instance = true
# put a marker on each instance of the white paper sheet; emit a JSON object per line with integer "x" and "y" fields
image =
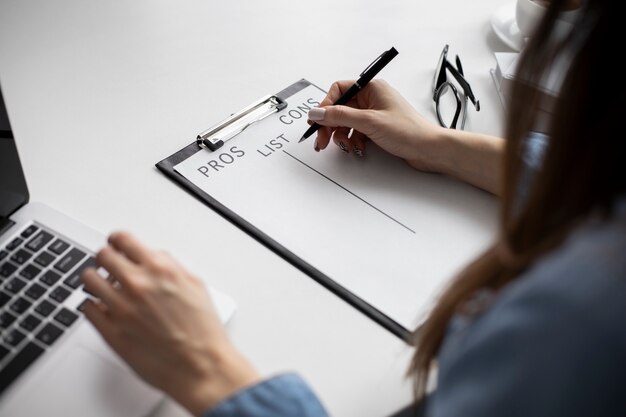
{"x": 386, "y": 232}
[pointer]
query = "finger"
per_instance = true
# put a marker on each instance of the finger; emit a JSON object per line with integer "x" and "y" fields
{"x": 130, "y": 246}
{"x": 118, "y": 265}
{"x": 344, "y": 116}
{"x": 323, "y": 138}
{"x": 101, "y": 288}
{"x": 358, "y": 140}
{"x": 336, "y": 90}
{"x": 97, "y": 315}
{"x": 341, "y": 137}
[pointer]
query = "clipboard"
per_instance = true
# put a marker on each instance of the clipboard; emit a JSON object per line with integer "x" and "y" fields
{"x": 233, "y": 131}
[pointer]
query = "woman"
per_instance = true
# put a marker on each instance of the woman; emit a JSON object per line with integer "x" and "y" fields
{"x": 531, "y": 327}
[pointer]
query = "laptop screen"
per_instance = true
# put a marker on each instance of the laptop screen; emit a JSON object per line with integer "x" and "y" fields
{"x": 13, "y": 190}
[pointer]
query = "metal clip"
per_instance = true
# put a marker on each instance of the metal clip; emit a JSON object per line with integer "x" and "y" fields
{"x": 230, "y": 127}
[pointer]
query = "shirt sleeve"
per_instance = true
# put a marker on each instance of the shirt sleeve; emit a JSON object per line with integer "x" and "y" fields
{"x": 285, "y": 395}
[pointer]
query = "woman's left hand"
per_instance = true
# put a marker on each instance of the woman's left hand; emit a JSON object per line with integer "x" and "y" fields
{"x": 160, "y": 319}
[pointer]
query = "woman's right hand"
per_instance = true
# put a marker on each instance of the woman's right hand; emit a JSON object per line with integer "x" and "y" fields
{"x": 378, "y": 113}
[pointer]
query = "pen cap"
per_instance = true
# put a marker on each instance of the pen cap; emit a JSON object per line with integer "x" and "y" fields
{"x": 375, "y": 67}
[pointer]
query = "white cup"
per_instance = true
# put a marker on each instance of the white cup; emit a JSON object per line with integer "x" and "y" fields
{"x": 528, "y": 14}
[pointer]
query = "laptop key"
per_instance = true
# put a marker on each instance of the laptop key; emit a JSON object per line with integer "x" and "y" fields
{"x": 45, "y": 308}
{"x": 58, "y": 246}
{"x": 59, "y": 294}
{"x": 21, "y": 256}
{"x": 7, "y": 269}
{"x": 39, "y": 241}
{"x": 49, "y": 334}
{"x": 69, "y": 260}
{"x": 66, "y": 317}
{"x": 6, "y": 320}
{"x": 50, "y": 278}
{"x": 3, "y": 352}
{"x": 3, "y": 254}
{"x": 14, "y": 337}
{"x": 44, "y": 259}
{"x": 35, "y": 291}
{"x": 28, "y": 232}
{"x": 30, "y": 271}
{"x": 14, "y": 244}
{"x": 30, "y": 323}
{"x": 20, "y": 305}
{"x": 74, "y": 279}
{"x": 4, "y": 298}
{"x": 18, "y": 364}
{"x": 81, "y": 306}
{"x": 14, "y": 286}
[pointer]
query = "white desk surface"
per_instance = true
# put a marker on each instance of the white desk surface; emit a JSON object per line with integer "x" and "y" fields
{"x": 99, "y": 91}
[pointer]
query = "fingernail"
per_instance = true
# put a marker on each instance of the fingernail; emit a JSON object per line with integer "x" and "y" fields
{"x": 316, "y": 113}
{"x": 357, "y": 151}
{"x": 316, "y": 146}
{"x": 343, "y": 147}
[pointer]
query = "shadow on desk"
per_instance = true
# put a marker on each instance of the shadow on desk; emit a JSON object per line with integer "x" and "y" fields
{"x": 412, "y": 410}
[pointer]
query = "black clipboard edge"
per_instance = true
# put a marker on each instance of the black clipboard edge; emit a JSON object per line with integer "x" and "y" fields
{"x": 166, "y": 166}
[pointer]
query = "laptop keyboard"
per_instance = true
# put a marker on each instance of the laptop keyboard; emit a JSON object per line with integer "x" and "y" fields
{"x": 39, "y": 276}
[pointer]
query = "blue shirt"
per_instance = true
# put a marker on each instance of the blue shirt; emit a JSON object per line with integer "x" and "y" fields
{"x": 552, "y": 343}
{"x": 282, "y": 395}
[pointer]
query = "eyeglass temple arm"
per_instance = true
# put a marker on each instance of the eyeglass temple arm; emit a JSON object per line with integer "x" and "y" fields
{"x": 458, "y": 75}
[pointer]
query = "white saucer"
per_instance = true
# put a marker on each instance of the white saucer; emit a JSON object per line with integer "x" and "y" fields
{"x": 504, "y": 25}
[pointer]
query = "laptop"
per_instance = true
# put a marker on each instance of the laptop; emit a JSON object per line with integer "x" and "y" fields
{"x": 52, "y": 361}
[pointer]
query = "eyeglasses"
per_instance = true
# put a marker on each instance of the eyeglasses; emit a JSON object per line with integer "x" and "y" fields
{"x": 451, "y": 105}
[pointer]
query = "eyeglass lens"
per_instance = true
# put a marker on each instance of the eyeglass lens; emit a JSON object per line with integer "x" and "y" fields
{"x": 450, "y": 106}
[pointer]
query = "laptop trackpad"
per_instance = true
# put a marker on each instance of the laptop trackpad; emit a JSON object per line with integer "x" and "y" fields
{"x": 84, "y": 383}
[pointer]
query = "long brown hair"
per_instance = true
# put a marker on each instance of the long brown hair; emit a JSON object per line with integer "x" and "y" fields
{"x": 582, "y": 167}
